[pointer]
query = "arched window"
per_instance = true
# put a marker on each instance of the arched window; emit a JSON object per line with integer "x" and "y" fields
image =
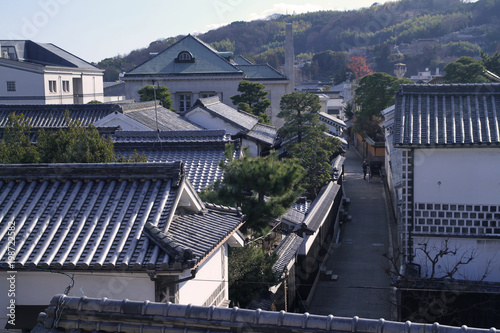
{"x": 184, "y": 56}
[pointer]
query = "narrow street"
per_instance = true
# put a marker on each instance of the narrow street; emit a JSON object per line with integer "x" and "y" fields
{"x": 362, "y": 287}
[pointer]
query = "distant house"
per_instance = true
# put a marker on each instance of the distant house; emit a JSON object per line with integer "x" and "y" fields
{"x": 42, "y": 73}
{"x": 444, "y": 163}
{"x": 335, "y": 126}
{"x": 191, "y": 69}
{"x": 136, "y": 231}
{"x": 211, "y": 113}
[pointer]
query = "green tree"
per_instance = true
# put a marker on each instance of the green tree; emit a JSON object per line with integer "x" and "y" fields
{"x": 465, "y": 70}
{"x": 300, "y": 112}
{"x": 74, "y": 144}
{"x": 491, "y": 62}
{"x": 250, "y": 272}
{"x": 16, "y": 146}
{"x": 374, "y": 93}
{"x": 314, "y": 155}
{"x": 147, "y": 93}
{"x": 264, "y": 188}
{"x": 253, "y": 99}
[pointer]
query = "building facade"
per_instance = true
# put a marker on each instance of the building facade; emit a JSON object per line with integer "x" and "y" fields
{"x": 447, "y": 139}
{"x": 41, "y": 73}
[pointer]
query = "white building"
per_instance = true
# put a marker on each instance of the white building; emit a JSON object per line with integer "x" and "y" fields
{"x": 444, "y": 164}
{"x": 40, "y": 73}
{"x": 192, "y": 70}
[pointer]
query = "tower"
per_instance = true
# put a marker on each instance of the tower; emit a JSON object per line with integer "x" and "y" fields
{"x": 289, "y": 58}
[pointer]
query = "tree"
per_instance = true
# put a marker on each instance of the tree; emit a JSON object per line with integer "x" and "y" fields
{"x": 492, "y": 63}
{"x": 465, "y": 70}
{"x": 74, "y": 144}
{"x": 147, "y": 93}
{"x": 250, "y": 272}
{"x": 359, "y": 66}
{"x": 264, "y": 188}
{"x": 314, "y": 155}
{"x": 300, "y": 112}
{"x": 374, "y": 93}
{"x": 16, "y": 146}
{"x": 253, "y": 99}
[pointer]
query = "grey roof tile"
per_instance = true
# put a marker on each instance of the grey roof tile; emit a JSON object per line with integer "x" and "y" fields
{"x": 447, "y": 115}
{"x": 92, "y": 216}
{"x": 240, "y": 119}
{"x": 260, "y": 72}
{"x": 200, "y": 151}
{"x": 53, "y": 116}
{"x": 92, "y": 314}
{"x": 263, "y": 133}
{"x": 321, "y": 206}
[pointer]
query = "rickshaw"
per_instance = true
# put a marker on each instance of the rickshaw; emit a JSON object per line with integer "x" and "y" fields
{"x": 375, "y": 170}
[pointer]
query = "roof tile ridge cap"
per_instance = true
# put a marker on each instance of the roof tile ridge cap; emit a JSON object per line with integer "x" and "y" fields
{"x": 164, "y": 240}
{"x": 216, "y": 207}
{"x": 265, "y": 125}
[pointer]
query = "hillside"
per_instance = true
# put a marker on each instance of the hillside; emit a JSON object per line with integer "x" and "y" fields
{"x": 420, "y": 33}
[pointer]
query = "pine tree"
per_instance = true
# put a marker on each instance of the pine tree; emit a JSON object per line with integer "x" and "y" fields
{"x": 253, "y": 99}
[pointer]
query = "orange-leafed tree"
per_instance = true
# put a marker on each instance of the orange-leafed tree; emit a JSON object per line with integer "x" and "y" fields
{"x": 359, "y": 66}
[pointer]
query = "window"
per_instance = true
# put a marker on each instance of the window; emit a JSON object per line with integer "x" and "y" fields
{"x": 184, "y": 56}
{"x": 65, "y": 86}
{"x": 11, "y": 85}
{"x": 184, "y": 102}
{"x": 207, "y": 94}
{"x": 52, "y": 86}
{"x": 166, "y": 288}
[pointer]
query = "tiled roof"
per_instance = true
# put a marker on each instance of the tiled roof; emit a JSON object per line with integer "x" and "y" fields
{"x": 200, "y": 151}
{"x": 447, "y": 115}
{"x": 329, "y": 118}
{"x": 321, "y": 206}
{"x": 45, "y": 54}
{"x": 207, "y": 61}
{"x": 240, "y": 119}
{"x": 46, "y": 116}
{"x": 93, "y": 216}
{"x": 286, "y": 252}
{"x": 241, "y": 60}
{"x": 161, "y": 118}
{"x": 264, "y": 133}
{"x": 85, "y": 314}
{"x": 261, "y": 72}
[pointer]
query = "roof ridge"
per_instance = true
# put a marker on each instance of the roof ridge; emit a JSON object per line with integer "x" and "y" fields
{"x": 179, "y": 252}
{"x": 221, "y": 208}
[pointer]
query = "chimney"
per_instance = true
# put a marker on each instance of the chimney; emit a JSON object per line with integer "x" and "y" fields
{"x": 289, "y": 58}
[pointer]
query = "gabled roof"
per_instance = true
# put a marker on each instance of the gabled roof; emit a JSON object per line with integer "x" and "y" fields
{"x": 45, "y": 54}
{"x": 200, "y": 151}
{"x": 248, "y": 123}
{"x": 86, "y": 314}
{"x": 241, "y": 60}
{"x": 329, "y": 119}
{"x": 451, "y": 115}
{"x": 214, "y": 106}
{"x": 95, "y": 217}
{"x": 207, "y": 61}
{"x": 159, "y": 118}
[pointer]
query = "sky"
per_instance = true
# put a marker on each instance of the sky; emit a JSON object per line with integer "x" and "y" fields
{"x": 97, "y": 29}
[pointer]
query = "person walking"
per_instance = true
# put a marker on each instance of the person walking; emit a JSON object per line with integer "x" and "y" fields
{"x": 365, "y": 168}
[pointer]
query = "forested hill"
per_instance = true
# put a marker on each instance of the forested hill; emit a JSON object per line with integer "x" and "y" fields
{"x": 420, "y": 33}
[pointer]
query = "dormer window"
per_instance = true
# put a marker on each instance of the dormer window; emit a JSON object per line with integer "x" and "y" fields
{"x": 184, "y": 56}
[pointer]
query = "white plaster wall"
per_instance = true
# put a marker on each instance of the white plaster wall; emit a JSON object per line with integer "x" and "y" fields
{"x": 28, "y": 84}
{"x": 208, "y": 277}
{"x": 93, "y": 87}
{"x": 252, "y": 147}
{"x": 457, "y": 175}
{"x": 486, "y": 258}
{"x": 208, "y": 121}
{"x": 38, "y": 288}
{"x": 60, "y": 96}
